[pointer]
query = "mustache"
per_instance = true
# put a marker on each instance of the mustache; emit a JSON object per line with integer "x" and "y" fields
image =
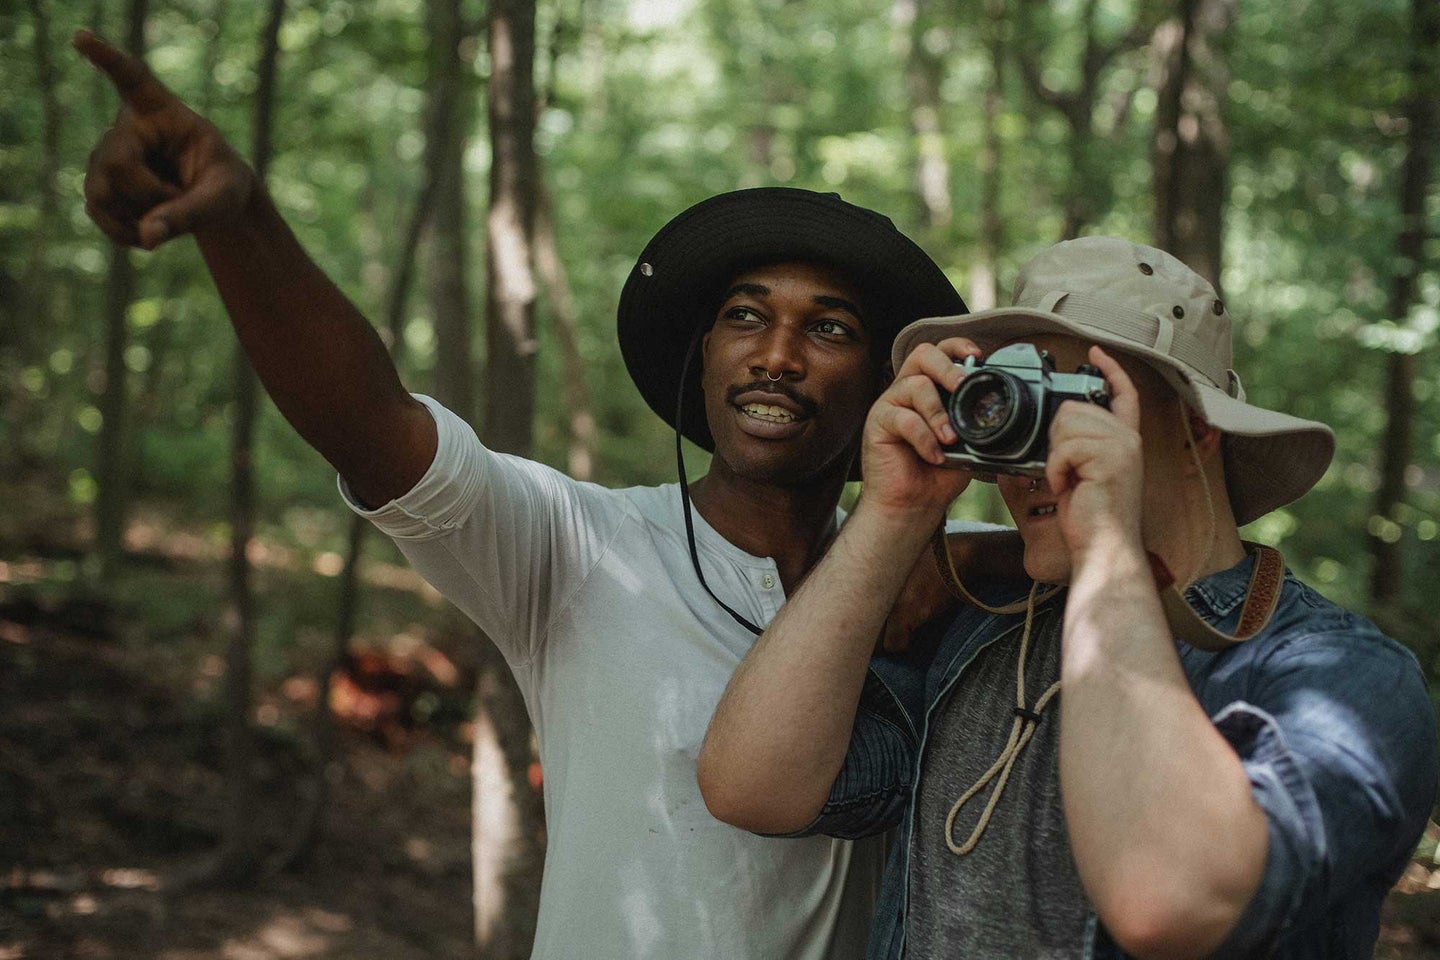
{"x": 808, "y": 406}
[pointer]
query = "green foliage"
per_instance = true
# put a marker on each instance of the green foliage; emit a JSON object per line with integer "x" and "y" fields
{"x": 653, "y": 106}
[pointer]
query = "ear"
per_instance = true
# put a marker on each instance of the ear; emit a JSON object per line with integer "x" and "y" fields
{"x": 1205, "y": 437}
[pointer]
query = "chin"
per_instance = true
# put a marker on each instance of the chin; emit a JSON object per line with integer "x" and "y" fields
{"x": 781, "y": 471}
{"x": 1047, "y": 566}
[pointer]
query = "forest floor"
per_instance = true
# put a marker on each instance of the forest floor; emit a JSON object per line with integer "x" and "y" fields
{"x": 111, "y": 787}
{"x": 111, "y": 782}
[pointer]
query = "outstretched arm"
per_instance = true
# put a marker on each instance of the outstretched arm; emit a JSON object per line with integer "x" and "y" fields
{"x": 162, "y": 171}
{"x": 778, "y": 738}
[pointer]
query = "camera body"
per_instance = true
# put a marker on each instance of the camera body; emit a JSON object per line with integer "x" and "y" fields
{"x": 1003, "y": 409}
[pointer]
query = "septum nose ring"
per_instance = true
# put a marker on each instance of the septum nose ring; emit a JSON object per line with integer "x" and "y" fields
{"x": 774, "y": 379}
{"x": 1034, "y": 484}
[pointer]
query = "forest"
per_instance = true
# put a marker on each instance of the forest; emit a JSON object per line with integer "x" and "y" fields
{"x": 234, "y": 723}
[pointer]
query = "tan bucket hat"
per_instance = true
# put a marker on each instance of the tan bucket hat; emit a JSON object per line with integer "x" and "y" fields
{"x": 1146, "y": 303}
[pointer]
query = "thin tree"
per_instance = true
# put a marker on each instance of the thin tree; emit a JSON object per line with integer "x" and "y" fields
{"x": 311, "y": 823}
{"x": 238, "y": 860}
{"x": 449, "y": 247}
{"x": 579, "y": 408}
{"x": 985, "y": 276}
{"x": 1088, "y": 185}
{"x": 35, "y": 283}
{"x": 1190, "y": 149}
{"x": 112, "y": 501}
{"x": 924, "y": 73}
{"x": 504, "y": 911}
{"x": 161, "y": 337}
{"x": 580, "y": 432}
{"x": 1387, "y": 575}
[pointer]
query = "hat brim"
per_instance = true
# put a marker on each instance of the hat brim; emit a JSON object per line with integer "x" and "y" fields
{"x": 674, "y": 289}
{"x": 1271, "y": 458}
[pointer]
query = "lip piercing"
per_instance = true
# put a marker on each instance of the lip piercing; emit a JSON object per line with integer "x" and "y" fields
{"x": 774, "y": 379}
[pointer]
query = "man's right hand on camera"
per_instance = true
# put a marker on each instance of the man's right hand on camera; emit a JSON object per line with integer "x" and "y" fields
{"x": 901, "y": 456}
{"x": 161, "y": 170}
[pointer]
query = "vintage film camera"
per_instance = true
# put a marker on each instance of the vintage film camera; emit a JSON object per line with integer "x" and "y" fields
{"x": 1003, "y": 408}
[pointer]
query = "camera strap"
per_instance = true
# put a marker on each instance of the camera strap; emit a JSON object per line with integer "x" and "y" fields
{"x": 1261, "y": 596}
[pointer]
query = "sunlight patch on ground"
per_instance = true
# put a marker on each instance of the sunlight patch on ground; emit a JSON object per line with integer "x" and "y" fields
{"x": 155, "y": 536}
{"x": 287, "y": 936}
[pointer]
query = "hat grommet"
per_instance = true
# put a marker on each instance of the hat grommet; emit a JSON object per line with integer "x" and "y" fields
{"x": 646, "y": 270}
{"x": 1179, "y": 312}
{"x": 1146, "y": 269}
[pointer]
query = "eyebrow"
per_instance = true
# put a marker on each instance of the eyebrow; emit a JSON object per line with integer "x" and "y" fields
{"x": 760, "y": 290}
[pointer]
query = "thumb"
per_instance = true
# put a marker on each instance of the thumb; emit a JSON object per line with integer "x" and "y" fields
{"x": 153, "y": 228}
{"x": 212, "y": 196}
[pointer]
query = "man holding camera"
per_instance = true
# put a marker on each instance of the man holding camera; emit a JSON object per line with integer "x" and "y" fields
{"x": 758, "y": 324}
{"x": 1105, "y": 766}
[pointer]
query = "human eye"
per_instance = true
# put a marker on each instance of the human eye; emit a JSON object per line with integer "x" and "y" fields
{"x": 830, "y": 327}
{"x": 743, "y": 315}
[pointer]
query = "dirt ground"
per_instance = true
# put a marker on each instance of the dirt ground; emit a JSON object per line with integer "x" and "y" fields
{"x": 110, "y": 787}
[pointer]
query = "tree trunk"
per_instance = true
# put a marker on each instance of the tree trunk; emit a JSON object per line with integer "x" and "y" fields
{"x": 311, "y": 827}
{"x": 924, "y": 71}
{"x": 985, "y": 276}
{"x": 1387, "y": 576}
{"x": 510, "y": 229}
{"x": 35, "y": 283}
{"x": 580, "y": 415}
{"x": 1086, "y": 195}
{"x": 508, "y": 865}
{"x": 238, "y": 858}
{"x": 449, "y": 248}
{"x": 151, "y": 402}
{"x": 112, "y": 471}
{"x": 1190, "y": 151}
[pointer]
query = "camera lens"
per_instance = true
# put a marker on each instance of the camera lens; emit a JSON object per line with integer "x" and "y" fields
{"x": 989, "y": 409}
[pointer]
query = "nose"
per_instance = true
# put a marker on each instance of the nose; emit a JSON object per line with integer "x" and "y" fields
{"x": 779, "y": 355}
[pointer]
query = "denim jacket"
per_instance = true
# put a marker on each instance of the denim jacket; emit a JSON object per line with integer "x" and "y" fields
{"x": 1330, "y": 718}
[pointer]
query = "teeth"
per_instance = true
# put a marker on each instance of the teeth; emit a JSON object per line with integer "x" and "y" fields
{"x": 762, "y": 411}
{"x": 1043, "y": 511}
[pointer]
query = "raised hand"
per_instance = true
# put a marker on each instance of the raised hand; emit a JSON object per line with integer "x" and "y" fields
{"x": 1096, "y": 466}
{"x": 901, "y": 454}
{"x": 161, "y": 170}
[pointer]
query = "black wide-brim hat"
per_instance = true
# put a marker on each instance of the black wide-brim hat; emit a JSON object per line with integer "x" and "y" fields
{"x": 675, "y": 287}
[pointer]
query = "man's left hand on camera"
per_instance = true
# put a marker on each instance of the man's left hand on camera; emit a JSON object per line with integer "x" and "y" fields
{"x": 1096, "y": 467}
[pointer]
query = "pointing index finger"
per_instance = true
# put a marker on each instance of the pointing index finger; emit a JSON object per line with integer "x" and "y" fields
{"x": 133, "y": 80}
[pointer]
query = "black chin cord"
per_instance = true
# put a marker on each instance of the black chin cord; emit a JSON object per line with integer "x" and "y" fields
{"x": 685, "y": 486}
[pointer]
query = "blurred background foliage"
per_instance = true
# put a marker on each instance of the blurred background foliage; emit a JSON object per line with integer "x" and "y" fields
{"x": 652, "y": 106}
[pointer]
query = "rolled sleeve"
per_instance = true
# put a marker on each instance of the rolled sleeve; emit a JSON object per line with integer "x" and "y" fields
{"x": 1343, "y": 764}
{"x": 1295, "y": 828}
{"x": 445, "y": 496}
{"x": 507, "y": 540}
{"x": 873, "y": 788}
